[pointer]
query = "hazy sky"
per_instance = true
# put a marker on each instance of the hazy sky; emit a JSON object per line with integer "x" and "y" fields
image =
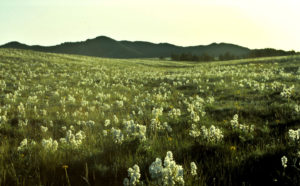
{"x": 250, "y": 23}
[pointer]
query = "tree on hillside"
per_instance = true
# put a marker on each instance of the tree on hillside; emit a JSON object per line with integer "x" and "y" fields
{"x": 161, "y": 57}
{"x": 191, "y": 57}
{"x": 226, "y": 56}
{"x": 266, "y": 52}
{"x": 206, "y": 57}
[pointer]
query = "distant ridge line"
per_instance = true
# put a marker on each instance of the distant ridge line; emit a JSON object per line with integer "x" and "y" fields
{"x": 103, "y": 46}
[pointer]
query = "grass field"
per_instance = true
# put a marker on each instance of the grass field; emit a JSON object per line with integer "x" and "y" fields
{"x": 75, "y": 120}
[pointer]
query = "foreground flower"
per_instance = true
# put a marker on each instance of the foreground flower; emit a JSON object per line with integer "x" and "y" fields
{"x": 134, "y": 175}
{"x": 117, "y": 135}
{"x": 170, "y": 174}
{"x": 193, "y": 169}
{"x": 23, "y": 145}
{"x": 50, "y": 145}
{"x": 294, "y": 135}
{"x": 284, "y": 161}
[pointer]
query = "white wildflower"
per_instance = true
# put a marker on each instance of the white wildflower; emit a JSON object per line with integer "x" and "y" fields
{"x": 170, "y": 174}
{"x": 135, "y": 130}
{"x": 49, "y": 144}
{"x": 126, "y": 182}
{"x": 134, "y": 175}
{"x": 174, "y": 113}
{"x": 193, "y": 169}
{"x": 104, "y": 132}
{"x": 44, "y": 129}
{"x": 116, "y": 120}
{"x": 195, "y": 117}
{"x": 210, "y": 100}
{"x": 194, "y": 132}
{"x": 294, "y": 135}
{"x": 118, "y": 136}
{"x": 212, "y": 134}
{"x": 21, "y": 123}
{"x": 120, "y": 104}
{"x": 167, "y": 127}
{"x": 23, "y": 145}
{"x": 107, "y": 122}
{"x": 156, "y": 112}
{"x": 287, "y": 92}
{"x": 64, "y": 128}
{"x": 297, "y": 108}
{"x": 155, "y": 124}
{"x": 284, "y": 161}
{"x": 156, "y": 169}
{"x": 90, "y": 123}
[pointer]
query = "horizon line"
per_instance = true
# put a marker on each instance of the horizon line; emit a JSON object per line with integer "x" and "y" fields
{"x": 184, "y": 46}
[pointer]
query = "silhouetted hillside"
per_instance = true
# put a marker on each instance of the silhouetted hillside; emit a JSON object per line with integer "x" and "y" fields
{"x": 106, "y": 47}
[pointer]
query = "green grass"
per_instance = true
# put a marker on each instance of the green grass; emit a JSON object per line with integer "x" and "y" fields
{"x": 63, "y": 90}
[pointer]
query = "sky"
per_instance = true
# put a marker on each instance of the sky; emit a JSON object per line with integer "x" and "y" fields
{"x": 249, "y": 23}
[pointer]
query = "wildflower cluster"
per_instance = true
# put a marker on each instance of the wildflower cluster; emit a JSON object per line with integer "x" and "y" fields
{"x": 174, "y": 113}
{"x": 49, "y": 144}
{"x": 73, "y": 140}
{"x": 211, "y": 134}
{"x": 118, "y": 136}
{"x": 284, "y": 161}
{"x": 287, "y": 92}
{"x": 134, "y": 176}
{"x": 44, "y": 129}
{"x": 156, "y": 112}
{"x": 194, "y": 131}
{"x": 195, "y": 108}
{"x": 64, "y": 101}
{"x": 294, "y": 135}
{"x": 3, "y": 117}
{"x": 169, "y": 174}
{"x": 135, "y": 130}
{"x": 25, "y": 145}
{"x": 297, "y": 108}
{"x": 240, "y": 127}
{"x": 193, "y": 169}
{"x": 155, "y": 124}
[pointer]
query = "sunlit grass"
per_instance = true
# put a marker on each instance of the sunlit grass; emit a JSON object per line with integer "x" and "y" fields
{"x": 96, "y": 110}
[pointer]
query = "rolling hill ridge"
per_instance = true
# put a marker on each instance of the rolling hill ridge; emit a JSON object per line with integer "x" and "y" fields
{"x": 103, "y": 46}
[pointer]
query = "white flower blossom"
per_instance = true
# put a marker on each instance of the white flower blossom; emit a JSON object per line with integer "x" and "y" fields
{"x": 107, "y": 122}
{"x": 170, "y": 174}
{"x": 44, "y": 129}
{"x": 104, "y": 132}
{"x": 135, "y": 130}
{"x": 193, "y": 169}
{"x": 294, "y": 135}
{"x": 287, "y": 92}
{"x": 134, "y": 175}
{"x": 174, "y": 113}
{"x": 23, "y": 145}
{"x": 284, "y": 161}
{"x": 49, "y": 144}
{"x": 194, "y": 132}
{"x": 118, "y": 136}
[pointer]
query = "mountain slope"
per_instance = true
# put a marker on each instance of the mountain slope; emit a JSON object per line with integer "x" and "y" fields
{"x": 103, "y": 46}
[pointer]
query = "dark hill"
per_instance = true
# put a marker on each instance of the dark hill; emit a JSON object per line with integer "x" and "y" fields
{"x": 107, "y": 47}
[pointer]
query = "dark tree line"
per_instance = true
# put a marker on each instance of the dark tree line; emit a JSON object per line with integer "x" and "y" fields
{"x": 191, "y": 57}
{"x": 267, "y": 52}
{"x": 227, "y": 56}
{"x": 203, "y": 57}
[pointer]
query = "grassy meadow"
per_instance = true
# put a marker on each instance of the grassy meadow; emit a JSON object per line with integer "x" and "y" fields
{"x": 75, "y": 120}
